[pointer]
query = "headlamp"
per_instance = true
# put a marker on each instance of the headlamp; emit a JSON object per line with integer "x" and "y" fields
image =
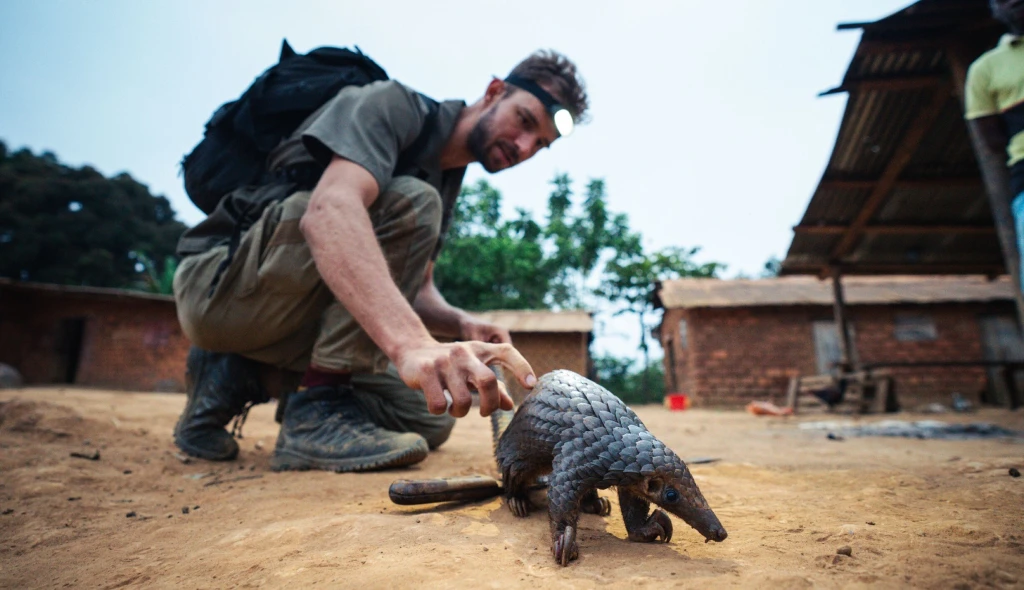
{"x": 560, "y": 116}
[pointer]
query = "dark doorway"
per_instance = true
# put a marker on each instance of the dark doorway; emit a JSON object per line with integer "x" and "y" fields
{"x": 69, "y": 349}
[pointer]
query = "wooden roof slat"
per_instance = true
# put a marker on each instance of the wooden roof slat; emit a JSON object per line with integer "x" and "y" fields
{"x": 901, "y": 157}
{"x": 916, "y": 268}
{"x": 891, "y": 83}
{"x": 975, "y": 230}
{"x": 909, "y": 183}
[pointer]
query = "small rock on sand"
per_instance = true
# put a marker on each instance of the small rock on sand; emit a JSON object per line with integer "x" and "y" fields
{"x": 845, "y": 550}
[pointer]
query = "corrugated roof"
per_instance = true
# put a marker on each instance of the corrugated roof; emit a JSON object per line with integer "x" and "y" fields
{"x": 902, "y": 193}
{"x": 539, "y": 321}
{"x": 690, "y": 293}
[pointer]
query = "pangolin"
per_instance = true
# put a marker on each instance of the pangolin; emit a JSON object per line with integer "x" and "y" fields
{"x": 587, "y": 439}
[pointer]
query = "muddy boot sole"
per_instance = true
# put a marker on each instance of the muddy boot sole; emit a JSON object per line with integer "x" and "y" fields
{"x": 226, "y": 454}
{"x": 284, "y": 460}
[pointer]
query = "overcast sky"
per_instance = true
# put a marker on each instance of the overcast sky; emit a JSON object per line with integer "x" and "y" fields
{"x": 706, "y": 124}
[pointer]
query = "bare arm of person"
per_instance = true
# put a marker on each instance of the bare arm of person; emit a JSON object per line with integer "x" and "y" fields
{"x": 988, "y": 134}
{"x": 444, "y": 318}
{"x": 991, "y": 131}
{"x": 340, "y": 235}
{"x": 989, "y": 138}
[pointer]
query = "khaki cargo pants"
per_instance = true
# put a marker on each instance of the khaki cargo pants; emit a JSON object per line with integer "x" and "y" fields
{"x": 270, "y": 304}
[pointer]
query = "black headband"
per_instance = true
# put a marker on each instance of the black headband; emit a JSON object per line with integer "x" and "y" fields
{"x": 533, "y": 88}
{"x": 564, "y": 121}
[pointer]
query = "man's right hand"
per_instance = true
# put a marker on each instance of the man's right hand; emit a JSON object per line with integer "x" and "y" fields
{"x": 459, "y": 367}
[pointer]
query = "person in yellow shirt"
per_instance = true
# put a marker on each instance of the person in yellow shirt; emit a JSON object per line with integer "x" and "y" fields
{"x": 994, "y": 105}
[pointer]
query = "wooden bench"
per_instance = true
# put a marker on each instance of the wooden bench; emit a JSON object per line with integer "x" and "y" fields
{"x": 866, "y": 392}
{"x": 1006, "y": 372}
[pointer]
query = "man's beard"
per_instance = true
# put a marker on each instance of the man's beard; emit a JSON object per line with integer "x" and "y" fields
{"x": 479, "y": 143}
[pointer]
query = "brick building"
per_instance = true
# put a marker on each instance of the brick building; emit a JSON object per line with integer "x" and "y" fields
{"x": 131, "y": 340}
{"x": 730, "y": 342}
{"x": 90, "y": 336}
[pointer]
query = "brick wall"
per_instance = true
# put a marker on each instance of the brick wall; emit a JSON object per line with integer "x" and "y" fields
{"x": 959, "y": 338}
{"x": 126, "y": 343}
{"x": 735, "y": 355}
{"x": 549, "y": 351}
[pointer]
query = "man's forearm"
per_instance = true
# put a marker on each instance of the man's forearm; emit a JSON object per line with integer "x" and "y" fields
{"x": 349, "y": 259}
{"x": 439, "y": 316}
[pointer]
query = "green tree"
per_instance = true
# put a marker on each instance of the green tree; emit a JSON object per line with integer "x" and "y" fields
{"x": 490, "y": 263}
{"x": 156, "y": 279}
{"x": 580, "y": 240}
{"x": 74, "y": 226}
{"x": 772, "y": 267}
{"x": 629, "y": 281}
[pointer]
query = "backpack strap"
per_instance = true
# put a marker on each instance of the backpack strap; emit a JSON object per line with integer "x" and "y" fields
{"x": 306, "y": 176}
{"x": 412, "y": 153}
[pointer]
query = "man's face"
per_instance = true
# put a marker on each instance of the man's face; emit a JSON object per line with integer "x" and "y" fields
{"x": 1010, "y": 13}
{"x": 513, "y": 128}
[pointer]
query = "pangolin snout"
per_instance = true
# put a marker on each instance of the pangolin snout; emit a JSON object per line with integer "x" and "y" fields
{"x": 716, "y": 534}
{"x": 707, "y": 524}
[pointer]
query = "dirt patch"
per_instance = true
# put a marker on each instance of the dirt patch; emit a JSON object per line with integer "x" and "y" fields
{"x": 802, "y": 511}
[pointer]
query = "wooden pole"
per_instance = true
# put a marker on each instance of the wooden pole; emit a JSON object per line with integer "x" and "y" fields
{"x": 848, "y": 357}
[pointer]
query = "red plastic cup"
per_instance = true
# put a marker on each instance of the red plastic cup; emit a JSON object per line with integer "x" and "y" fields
{"x": 677, "y": 402}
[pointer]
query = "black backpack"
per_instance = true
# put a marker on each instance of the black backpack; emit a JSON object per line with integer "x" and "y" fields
{"x": 242, "y": 133}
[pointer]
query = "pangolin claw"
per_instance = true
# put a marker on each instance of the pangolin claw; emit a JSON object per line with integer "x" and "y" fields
{"x": 600, "y": 507}
{"x": 665, "y": 523}
{"x": 565, "y": 548}
{"x": 519, "y": 506}
{"x": 658, "y": 526}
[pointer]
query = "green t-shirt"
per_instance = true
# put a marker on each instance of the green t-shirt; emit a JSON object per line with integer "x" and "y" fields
{"x": 995, "y": 86}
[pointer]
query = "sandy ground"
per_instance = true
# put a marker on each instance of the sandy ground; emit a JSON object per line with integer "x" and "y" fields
{"x": 915, "y": 513}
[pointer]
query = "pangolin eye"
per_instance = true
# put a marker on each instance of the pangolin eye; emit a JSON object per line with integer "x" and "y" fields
{"x": 671, "y": 495}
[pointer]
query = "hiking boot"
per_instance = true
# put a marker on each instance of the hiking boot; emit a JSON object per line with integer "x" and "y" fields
{"x": 324, "y": 428}
{"x": 220, "y": 387}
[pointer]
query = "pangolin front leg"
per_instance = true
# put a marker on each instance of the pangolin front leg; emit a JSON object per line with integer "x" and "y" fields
{"x": 641, "y": 527}
{"x": 517, "y": 479}
{"x": 564, "y": 497}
